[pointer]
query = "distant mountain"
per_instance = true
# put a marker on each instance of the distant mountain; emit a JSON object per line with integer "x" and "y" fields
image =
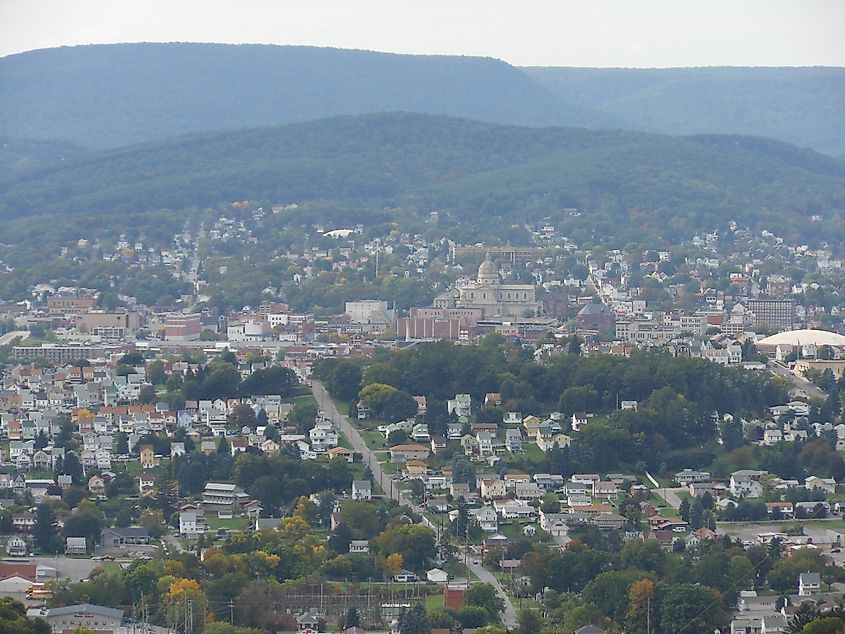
{"x": 804, "y": 106}
{"x": 626, "y": 185}
{"x": 111, "y": 95}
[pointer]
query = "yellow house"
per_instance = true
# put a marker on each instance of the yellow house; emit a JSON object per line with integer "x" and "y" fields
{"x": 148, "y": 457}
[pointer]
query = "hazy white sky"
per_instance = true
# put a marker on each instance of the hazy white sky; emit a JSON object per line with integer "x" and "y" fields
{"x": 643, "y": 33}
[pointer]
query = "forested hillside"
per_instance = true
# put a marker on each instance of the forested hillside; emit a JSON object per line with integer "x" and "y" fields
{"x": 805, "y": 106}
{"x": 624, "y": 184}
{"x": 111, "y": 95}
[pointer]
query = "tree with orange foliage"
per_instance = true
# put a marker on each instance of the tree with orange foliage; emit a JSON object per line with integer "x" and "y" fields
{"x": 186, "y": 605}
{"x": 640, "y": 606}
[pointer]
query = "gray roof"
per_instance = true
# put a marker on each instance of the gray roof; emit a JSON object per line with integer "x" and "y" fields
{"x": 86, "y": 607}
{"x": 306, "y": 618}
{"x": 593, "y": 309}
{"x": 589, "y": 629}
{"x": 127, "y": 531}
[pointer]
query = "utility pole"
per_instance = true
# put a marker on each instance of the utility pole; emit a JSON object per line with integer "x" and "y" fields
{"x": 231, "y": 612}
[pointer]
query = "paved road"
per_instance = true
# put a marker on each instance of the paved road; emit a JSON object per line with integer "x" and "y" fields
{"x": 9, "y": 337}
{"x": 66, "y": 567}
{"x": 326, "y": 404}
{"x": 390, "y": 488}
{"x": 796, "y": 381}
{"x": 509, "y": 613}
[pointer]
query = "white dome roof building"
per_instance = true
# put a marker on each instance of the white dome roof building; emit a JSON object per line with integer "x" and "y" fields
{"x": 496, "y": 299}
{"x": 804, "y": 337}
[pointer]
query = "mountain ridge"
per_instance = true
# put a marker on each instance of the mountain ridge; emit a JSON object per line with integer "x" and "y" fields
{"x": 477, "y": 170}
{"x": 100, "y": 96}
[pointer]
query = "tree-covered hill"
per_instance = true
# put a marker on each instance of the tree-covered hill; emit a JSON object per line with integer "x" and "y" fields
{"x": 805, "y": 106}
{"x": 668, "y": 186}
{"x": 111, "y": 95}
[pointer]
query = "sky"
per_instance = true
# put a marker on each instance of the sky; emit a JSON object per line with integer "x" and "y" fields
{"x": 603, "y": 33}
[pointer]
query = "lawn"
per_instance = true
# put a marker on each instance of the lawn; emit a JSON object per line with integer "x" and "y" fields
{"x": 514, "y": 529}
{"x": 344, "y": 441}
{"x": 433, "y": 602}
{"x": 232, "y": 524}
{"x": 111, "y": 567}
{"x": 374, "y": 439}
{"x": 303, "y": 399}
{"x": 532, "y": 452}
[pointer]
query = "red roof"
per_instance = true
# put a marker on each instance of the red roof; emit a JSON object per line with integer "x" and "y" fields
{"x": 25, "y": 571}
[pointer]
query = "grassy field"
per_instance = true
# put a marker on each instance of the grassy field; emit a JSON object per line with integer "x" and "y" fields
{"x": 532, "y": 452}
{"x": 374, "y": 439}
{"x": 434, "y": 602}
{"x": 514, "y": 529}
{"x": 303, "y": 399}
{"x": 232, "y": 524}
{"x": 111, "y": 567}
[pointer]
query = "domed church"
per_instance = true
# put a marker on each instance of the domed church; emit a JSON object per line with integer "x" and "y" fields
{"x": 496, "y": 299}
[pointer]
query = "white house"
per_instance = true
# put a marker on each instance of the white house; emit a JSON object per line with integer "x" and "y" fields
{"x": 362, "y": 490}
{"x": 745, "y": 483}
{"x": 809, "y": 584}
{"x": 487, "y": 519}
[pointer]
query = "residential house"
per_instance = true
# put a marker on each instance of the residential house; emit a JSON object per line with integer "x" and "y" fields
{"x": 403, "y": 453}
{"x": 192, "y": 522}
{"x": 586, "y": 478}
{"x": 341, "y": 453}
{"x": 780, "y": 510}
{"x": 809, "y": 584}
{"x": 16, "y": 547}
{"x": 608, "y": 521}
{"x": 487, "y": 519}
{"x": 745, "y": 483}
{"x": 362, "y": 490}
{"x": 76, "y": 546}
{"x": 605, "y": 490}
{"x": 513, "y": 440}
{"x": 96, "y": 485}
{"x": 146, "y": 483}
{"x": 688, "y": 476}
{"x": 323, "y": 437}
{"x": 493, "y": 488}
{"x": 528, "y": 491}
{"x": 461, "y": 405}
{"x": 826, "y": 485}
{"x": 122, "y": 536}
{"x": 147, "y": 457}
{"x": 485, "y": 443}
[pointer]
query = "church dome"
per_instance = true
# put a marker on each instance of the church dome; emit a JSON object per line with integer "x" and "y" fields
{"x": 488, "y": 271}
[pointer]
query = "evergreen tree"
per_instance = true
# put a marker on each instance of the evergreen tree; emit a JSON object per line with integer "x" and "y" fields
{"x": 414, "y": 620}
{"x": 353, "y": 619}
{"x": 45, "y": 531}
{"x": 696, "y": 511}
{"x": 683, "y": 509}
